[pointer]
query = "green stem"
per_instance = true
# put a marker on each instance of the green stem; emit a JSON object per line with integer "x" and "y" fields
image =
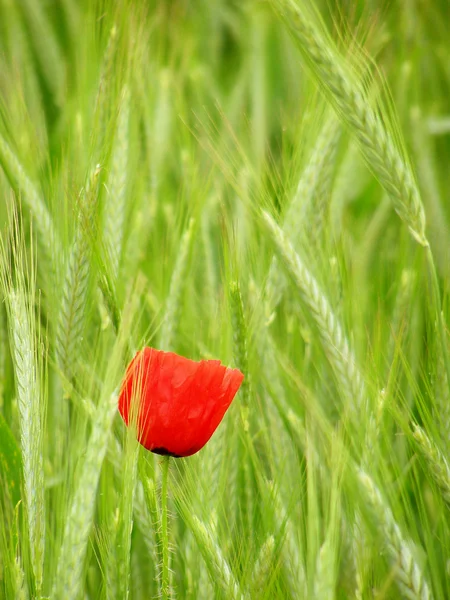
{"x": 440, "y": 317}
{"x": 165, "y": 585}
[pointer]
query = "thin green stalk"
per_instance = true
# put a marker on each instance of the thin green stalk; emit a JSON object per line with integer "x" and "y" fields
{"x": 177, "y": 284}
{"x": 165, "y": 584}
{"x": 126, "y": 513}
{"x": 438, "y": 307}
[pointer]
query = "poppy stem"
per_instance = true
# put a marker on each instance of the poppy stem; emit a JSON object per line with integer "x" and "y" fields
{"x": 165, "y": 584}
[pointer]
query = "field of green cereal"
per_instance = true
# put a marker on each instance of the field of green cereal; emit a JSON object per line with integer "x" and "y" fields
{"x": 260, "y": 182}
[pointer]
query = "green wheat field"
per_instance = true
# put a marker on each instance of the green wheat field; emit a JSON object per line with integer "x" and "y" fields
{"x": 264, "y": 182}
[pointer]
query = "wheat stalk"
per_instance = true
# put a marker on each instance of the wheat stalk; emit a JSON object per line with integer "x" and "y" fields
{"x": 68, "y": 581}
{"x": 408, "y": 575}
{"x": 437, "y": 463}
{"x": 334, "y": 342}
{"x": 219, "y": 569}
{"x": 24, "y": 341}
{"x": 439, "y": 231}
{"x": 126, "y": 512}
{"x": 353, "y": 104}
{"x": 24, "y": 355}
{"x": 177, "y": 283}
{"x": 309, "y": 199}
{"x": 442, "y": 395}
{"x": 102, "y": 112}
{"x": 263, "y": 568}
{"x": 294, "y": 567}
{"x": 69, "y": 578}
{"x": 46, "y": 47}
{"x": 116, "y": 202}
{"x": 146, "y": 516}
{"x": 239, "y": 338}
{"x": 75, "y": 287}
{"x": 32, "y": 198}
{"x": 324, "y": 581}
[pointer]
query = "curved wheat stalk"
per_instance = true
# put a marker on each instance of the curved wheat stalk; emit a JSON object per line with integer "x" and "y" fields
{"x": 334, "y": 342}
{"x": 352, "y": 102}
{"x": 408, "y": 575}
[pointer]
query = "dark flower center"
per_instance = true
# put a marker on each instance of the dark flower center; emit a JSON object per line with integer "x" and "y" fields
{"x": 165, "y": 452}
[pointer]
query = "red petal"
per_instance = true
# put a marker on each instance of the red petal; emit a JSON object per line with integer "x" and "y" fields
{"x": 181, "y": 402}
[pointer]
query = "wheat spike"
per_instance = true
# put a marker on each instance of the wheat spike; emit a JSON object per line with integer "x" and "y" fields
{"x": 263, "y": 567}
{"x": 353, "y": 104}
{"x": 294, "y": 566}
{"x": 177, "y": 284}
{"x": 75, "y": 287}
{"x": 69, "y": 578}
{"x": 219, "y": 569}
{"x": 308, "y": 203}
{"x": 24, "y": 339}
{"x": 32, "y": 198}
{"x": 23, "y": 347}
{"x": 116, "y": 199}
{"x": 334, "y": 342}
{"x": 408, "y": 575}
{"x": 437, "y": 463}
{"x": 240, "y": 338}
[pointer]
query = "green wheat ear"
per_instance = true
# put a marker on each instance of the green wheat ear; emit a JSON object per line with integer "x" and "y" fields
{"x": 79, "y": 519}
{"x": 353, "y": 104}
{"x": 177, "y": 284}
{"x": 72, "y": 312}
{"x": 306, "y": 214}
{"x": 436, "y": 461}
{"x": 334, "y": 342}
{"x": 25, "y": 345}
{"x": 68, "y": 580}
{"x": 115, "y": 209}
{"x": 218, "y": 567}
{"x": 240, "y": 336}
{"x": 408, "y": 575}
{"x": 32, "y": 199}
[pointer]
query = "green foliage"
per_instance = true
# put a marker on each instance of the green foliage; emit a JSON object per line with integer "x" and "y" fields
{"x": 10, "y": 462}
{"x": 209, "y": 178}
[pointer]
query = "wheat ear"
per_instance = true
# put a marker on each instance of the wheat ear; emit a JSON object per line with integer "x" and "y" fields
{"x": 116, "y": 199}
{"x": 353, "y": 104}
{"x": 24, "y": 353}
{"x": 24, "y": 339}
{"x": 240, "y": 336}
{"x": 219, "y": 569}
{"x": 308, "y": 199}
{"x": 69, "y": 575}
{"x": 292, "y": 556}
{"x": 31, "y": 197}
{"x": 75, "y": 287}
{"x": 177, "y": 283}
{"x": 437, "y": 463}
{"x": 79, "y": 520}
{"x": 263, "y": 567}
{"x": 334, "y": 342}
{"x": 408, "y": 575}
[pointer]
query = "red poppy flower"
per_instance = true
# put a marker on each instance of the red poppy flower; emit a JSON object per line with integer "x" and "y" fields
{"x": 178, "y": 402}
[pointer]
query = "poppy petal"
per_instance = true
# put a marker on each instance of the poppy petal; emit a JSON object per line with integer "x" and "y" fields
{"x": 180, "y": 401}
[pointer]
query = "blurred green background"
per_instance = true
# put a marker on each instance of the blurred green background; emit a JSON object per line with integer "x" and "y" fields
{"x": 140, "y": 142}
